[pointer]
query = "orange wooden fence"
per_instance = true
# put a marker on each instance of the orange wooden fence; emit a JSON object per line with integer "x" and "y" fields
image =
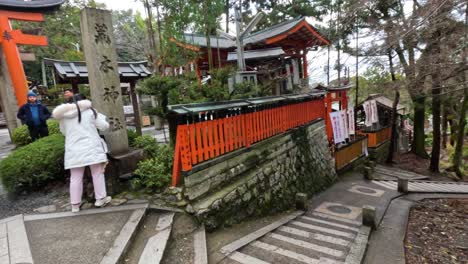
{"x": 350, "y": 152}
{"x": 376, "y": 138}
{"x": 205, "y": 140}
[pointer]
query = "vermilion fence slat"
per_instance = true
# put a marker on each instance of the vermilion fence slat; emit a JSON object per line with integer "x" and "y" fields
{"x": 240, "y": 136}
{"x": 206, "y": 146}
{"x": 216, "y": 138}
{"x": 248, "y": 126}
{"x": 227, "y": 134}
{"x": 231, "y": 134}
{"x": 193, "y": 146}
{"x": 211, "y": 148}
{"x": 198, "y": 133}
{"x": 222, "y": 135}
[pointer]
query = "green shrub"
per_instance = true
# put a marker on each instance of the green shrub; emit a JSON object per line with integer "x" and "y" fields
{"x": 148, "y": 144}
{"x": 155, "y": 172}
{"x": 132, "y": 135}
{"x": 21, "y": 136}
{"x": 34, "y": 165}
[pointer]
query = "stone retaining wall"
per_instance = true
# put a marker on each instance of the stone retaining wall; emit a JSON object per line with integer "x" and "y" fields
{"x": 263, "y": 179}
{"x": 379, "y": 154}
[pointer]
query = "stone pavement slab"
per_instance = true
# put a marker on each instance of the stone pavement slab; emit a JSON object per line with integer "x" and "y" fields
{"x": 14, "y": 244}
{"x": 83, "y": 239}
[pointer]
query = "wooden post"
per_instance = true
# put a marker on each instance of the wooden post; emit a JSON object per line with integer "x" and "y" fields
{"x": 9, "y": 41}
{"x": 104, "y": 81}
{"x": 75, "y": 87}
{"x": 304, "y": 64}
{"x": 136, "y": 108}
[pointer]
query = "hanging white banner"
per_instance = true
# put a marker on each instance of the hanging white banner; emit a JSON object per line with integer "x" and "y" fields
{"x": 368, "y": 113}
{"x": 338, "y": 134}
{"x": 344, "y": 123}
{"x": 375, "y": 115}
{"x": 351, "y": 128}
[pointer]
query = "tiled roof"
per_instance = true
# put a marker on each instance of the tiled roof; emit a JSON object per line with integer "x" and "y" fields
{"x": 77, "y": 69}
{"x": 257, "y": 54}
{"x": 255, "y": 37}
{"x": 32, "y": 5}
{"x": 272, "y": 31}
{"x": 200, "y": 40}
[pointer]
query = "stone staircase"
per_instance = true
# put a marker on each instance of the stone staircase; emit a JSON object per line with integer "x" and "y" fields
{"x": 131, "y": 234}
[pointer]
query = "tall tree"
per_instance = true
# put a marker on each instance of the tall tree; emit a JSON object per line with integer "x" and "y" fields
{"x": 458, "y": 155}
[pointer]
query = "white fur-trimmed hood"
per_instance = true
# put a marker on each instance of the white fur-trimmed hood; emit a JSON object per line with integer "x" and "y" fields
{"x": 70, "y": 110}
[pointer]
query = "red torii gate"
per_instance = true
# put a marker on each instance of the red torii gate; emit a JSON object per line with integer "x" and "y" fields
{"x": 10, "y": 39}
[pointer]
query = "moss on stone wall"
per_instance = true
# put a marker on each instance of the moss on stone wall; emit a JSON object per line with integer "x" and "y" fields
{"x": 265, "y": 179}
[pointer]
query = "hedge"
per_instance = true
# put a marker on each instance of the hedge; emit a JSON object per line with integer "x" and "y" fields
{"x": 34, "y": 165}
{"x": 21, "y": 136}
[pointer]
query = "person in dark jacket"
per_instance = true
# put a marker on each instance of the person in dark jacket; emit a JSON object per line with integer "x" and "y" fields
{"x": 34, "y": 115}
{"x": 71, "y": 98}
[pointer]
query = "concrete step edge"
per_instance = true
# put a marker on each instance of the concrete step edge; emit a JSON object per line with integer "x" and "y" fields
{"x": 156, "y": 245}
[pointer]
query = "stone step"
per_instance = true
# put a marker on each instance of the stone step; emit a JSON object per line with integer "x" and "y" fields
{"x": 313, "y": 237}
{"x": 199, "y": 245}
{"x": 399, "y": 173}
{"x": 427, "y": 186}
{"x": 156, "y": 245}
{"x": 14, "y": 243}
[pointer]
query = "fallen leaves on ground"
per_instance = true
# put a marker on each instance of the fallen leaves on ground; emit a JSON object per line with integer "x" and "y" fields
{"x": 438, "y": 232}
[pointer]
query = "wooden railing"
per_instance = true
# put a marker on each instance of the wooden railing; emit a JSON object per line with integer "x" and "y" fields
{"x": 207, "y": 139}
{"x": 376, "y": 138}
{"x": 347, "y": 154}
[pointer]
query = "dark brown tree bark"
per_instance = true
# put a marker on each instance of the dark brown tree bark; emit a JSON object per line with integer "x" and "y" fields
{"x": 151, "y": 36}
{"x": 435, "y": 153}
{"x": 418, "y": 146}
{"x": 458, "y": 155}
{"x": 436, "y": 106}
{"x": 227, "y": 16}
{"x": 394, "y": 139}
{"x": 444, "y": 127}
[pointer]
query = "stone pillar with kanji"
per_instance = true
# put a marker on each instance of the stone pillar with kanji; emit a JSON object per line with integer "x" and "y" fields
{"x": 103, "y": 74}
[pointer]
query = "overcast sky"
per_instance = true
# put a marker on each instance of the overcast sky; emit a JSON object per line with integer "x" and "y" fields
{"x": 123, "y": 5}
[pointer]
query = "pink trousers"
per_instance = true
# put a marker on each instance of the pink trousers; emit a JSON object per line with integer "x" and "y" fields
{"x": 76, "y": 182}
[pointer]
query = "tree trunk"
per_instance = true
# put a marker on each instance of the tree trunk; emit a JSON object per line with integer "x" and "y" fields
{"x": 458, "y": 155}
{"x": 444, "y": 127}
{"x": 160, "y": 36}
{"x": 151, "y": 37}
{"x": 227, "y": 16}
{"x": 435, "y": 153}
{"x": 207, "y": 6}
{"x": 417, "y": 147}
{"x": 394, "y": 139}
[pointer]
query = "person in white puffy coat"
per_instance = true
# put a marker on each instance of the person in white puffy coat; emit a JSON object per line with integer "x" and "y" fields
{"x": 79, "y": 123}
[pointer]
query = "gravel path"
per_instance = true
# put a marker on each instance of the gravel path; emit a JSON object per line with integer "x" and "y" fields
{"x": 27, "y": 203}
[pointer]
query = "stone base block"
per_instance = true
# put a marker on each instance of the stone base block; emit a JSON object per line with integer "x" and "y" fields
{"x": 402, "y": 185}
{"x": 301, "y": 201}
{"x": 369, "y": 216}
{"x": 121, "y": 166}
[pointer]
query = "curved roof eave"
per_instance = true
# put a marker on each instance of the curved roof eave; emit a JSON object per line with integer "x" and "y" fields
{"x": 32, "y": 6}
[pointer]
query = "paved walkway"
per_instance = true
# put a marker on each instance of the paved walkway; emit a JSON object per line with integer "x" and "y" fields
{"x": 330, "y": 231}
{"x": 427, "y": 186}
{"x": 5, "y": 148}
{"x": 5, "y": 143}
